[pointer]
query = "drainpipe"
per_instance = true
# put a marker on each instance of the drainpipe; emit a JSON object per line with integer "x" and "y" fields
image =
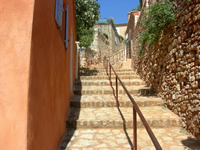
{"x": 77, "y": 61}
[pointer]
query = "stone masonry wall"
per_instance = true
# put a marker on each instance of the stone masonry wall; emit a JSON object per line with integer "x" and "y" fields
{"x": 172, "y": 65}
{"x": 112, "y": 37}
{"x": 101, "y": 46}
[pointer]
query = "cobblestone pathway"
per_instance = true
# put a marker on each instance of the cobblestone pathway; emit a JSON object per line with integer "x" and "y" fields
{"x": 95, "y": 123}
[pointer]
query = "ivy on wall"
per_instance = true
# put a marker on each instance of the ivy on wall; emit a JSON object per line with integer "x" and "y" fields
{"x": 154, "y": 19}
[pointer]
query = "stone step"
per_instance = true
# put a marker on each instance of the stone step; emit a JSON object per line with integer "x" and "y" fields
{"x": 118, "y": 73}
{"x": 105, "y": 73}
{"x": 116, "y": 69}
{"x": 106, "y": 77}
{"x": 103, "y": 69}
{"x": 127, "y": 82}
{"x": 156, "y": 116}
{"x": 107, "y": 90}
{"x": 121, "y": 139}
{"x": 96, "y": 101}
{"x": 127, "y": 63}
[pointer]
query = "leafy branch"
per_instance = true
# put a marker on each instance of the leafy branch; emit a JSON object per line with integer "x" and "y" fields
{"x": 154, "y": 19}
{"x": 87, "y": 14}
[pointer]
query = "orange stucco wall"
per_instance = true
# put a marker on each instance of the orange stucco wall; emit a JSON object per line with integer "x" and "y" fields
{"x": 49, "y": 90}
{"x": 15, "y": 42}
{"x": 123, "y": 31}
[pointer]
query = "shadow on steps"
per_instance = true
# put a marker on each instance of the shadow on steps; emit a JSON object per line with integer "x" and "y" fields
{"x": 88, "y": 72}
{"x": 70, "y": 131}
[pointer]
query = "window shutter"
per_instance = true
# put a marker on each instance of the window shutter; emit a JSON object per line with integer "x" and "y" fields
{"x": 58, "y": 13}
{"x": 66, "y": 28}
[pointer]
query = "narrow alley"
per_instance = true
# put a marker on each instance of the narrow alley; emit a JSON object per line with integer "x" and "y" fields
{"x": 100, "y": 74}
{"x": 95, "y": 123}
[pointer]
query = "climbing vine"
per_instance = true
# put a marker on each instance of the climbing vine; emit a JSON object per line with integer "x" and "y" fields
{"x": 154, "y": 19}
{"x": 105, "y": 35}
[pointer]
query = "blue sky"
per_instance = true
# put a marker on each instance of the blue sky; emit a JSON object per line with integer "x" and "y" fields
{"x": 118, "y": 9}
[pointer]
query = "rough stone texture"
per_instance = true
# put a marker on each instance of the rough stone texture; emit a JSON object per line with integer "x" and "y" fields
{"x": 117, "y": 139}
{"x": 95, "y": 101}
{"x": 112, "y": 47}
{"x": 111, "y": 118}
{"x": 95, "y": 123}
{"x": 172, "y": 65}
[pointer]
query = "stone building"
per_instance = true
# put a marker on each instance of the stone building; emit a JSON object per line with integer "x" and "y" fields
{"x": 171, "y": 66}
{"x": 133, "y": 17}
{"x": 103, "y": 46}
{"x": 121, "y": 29}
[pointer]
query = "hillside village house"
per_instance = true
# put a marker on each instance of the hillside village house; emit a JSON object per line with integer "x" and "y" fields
{"x": 121, "y": 29}
{"x": 133, "y": 18}
{"x": 37, "y": 72}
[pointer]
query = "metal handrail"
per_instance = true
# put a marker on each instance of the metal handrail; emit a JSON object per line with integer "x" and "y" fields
{"x": 135, "y": 109}
{"x": 117, "y": 54}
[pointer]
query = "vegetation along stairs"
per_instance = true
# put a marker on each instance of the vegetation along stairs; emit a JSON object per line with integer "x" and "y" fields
{"x": 96, "y": 123}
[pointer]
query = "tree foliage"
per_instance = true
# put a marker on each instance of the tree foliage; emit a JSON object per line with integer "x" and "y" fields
{"x": 87, "y": 14}
{"x": 136, "y": 9}
{"x": 86, "y": 37}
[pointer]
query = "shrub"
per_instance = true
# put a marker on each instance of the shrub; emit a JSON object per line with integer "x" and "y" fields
{"x": 121, "y": 38}
{"x": 154, "y": 19}
{"x": 105, "y": 35}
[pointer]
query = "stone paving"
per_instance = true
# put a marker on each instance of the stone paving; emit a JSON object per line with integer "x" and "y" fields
{"x": 106, "y": 77}
{"x": 104, "y": 117}
{"x": 94, "y": 101}
{"x": 126, "y": 82}
{"x": 95, "y": 123}
{"x": 119, "y": 139}
{"x": 101, "y": 90}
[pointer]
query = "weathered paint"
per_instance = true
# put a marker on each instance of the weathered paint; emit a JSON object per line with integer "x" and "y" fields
{"x": 49, "y": 92}
{"x": 15, "y": 42}
{"x": 34, "y": 74}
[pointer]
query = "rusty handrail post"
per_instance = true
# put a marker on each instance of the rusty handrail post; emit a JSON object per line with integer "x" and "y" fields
{"x": 117, "y": 104}
{"x": 110, "y": 73}
{"x": 106, "y": 66}
{"x": 134, "y": 129}
{"x": 136, "y": 110}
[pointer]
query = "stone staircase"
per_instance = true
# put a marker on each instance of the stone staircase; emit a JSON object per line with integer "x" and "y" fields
{"x": 127, "y": 63}
{"x": 95, "y": 122}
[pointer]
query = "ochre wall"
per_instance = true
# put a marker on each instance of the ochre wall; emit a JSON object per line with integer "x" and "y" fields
{"x": 123, "y": 31}
{"x": 15, "y": 38}
{"x": 49, "y": 90}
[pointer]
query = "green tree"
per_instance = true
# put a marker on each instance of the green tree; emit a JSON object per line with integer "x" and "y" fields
{"x": 86, "y": 37}
{"x": 136, "y": 9}
{"x": 87, "y": 14}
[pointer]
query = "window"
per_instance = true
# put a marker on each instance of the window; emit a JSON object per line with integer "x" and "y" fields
{"x": 66, "y": 28}
{"x": 58, "y": 13}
